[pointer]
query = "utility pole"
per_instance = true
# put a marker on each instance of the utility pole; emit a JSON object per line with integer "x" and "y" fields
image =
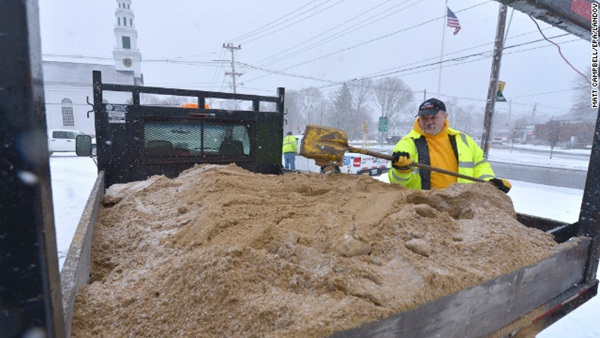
{"x": 233, "y": 74}
{"x": 493, "y": 87}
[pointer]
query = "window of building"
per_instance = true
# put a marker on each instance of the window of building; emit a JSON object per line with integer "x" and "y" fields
{"x": 131, "y": 22}
{"x": 124, "y": 21}
{"x": 67, "y": 113}
{"x": 119, "y": 21}
{"x": 126, "y": 42}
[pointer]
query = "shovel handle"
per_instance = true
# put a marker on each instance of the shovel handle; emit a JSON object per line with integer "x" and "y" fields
{"x": 444, "y": 171}
{"x": 413, "y": 164}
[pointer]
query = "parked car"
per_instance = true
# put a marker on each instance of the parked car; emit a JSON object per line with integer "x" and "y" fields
{"x": 499, "y": 141}
{"x": 63, "y": 140}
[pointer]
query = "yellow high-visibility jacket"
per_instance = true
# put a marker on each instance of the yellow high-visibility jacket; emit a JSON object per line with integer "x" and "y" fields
{"x": 290, "y": 145}
{"x": 468, "y": 154}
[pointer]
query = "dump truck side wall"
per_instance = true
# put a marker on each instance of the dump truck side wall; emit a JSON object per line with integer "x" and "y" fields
{"x": 76, "y": 268}
{"x": 488, "y": 307}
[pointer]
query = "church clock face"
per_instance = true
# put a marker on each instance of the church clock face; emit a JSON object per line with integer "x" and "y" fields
{"x": 127, "y": 62}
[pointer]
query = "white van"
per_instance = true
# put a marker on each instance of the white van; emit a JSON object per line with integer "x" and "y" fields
{"x": 61, "y": 140}
{"x": 359, "y": 164}
{"x": 354, "y": 163}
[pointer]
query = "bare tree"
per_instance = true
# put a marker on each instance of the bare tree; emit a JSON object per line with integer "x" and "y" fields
{"x": 517, "y": 131}
{"x": 463, "y": 118}
{"x": 581, "y": 109}
{"x": 293, "y": 114}
{"x": 311, "y": 101}
{"x": 362, "y": 91}
{"x": 551, "y": 133}
{"x": 394, "y": 99}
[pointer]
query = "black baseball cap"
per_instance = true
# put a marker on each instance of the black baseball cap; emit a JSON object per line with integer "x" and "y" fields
{"x": 431, "y": 107}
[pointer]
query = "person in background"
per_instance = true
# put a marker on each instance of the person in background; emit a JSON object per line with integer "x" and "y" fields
{"x": 290, "y": 149}
{"x": 433, "y": 142}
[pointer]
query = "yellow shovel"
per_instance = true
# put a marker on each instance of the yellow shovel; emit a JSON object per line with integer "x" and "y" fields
{"x": 327, "y": 145}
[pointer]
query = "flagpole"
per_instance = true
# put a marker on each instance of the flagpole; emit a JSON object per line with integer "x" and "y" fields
{"x": 442, "y": 51}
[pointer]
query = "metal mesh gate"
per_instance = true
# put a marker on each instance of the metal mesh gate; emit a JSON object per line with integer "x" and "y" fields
{"x": 168, "y": 139}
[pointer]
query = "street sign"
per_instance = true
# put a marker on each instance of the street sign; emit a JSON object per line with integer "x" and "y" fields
{"x": 383, "y": 124}
{"x": 499, "y": 96}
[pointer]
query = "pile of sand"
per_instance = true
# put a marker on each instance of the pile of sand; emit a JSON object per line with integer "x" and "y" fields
{"x": 223, "y": 252}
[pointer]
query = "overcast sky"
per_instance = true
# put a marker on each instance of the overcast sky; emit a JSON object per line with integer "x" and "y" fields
{"x": 321, "y": 43}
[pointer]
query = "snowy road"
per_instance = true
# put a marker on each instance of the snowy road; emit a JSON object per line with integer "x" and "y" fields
{"x": 557, "y": 177}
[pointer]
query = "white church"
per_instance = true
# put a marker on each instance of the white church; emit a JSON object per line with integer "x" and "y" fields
{"x": 68, "y": 85}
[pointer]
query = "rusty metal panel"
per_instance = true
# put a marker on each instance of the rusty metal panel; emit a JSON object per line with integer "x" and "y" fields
{"x": 573, "y": 16}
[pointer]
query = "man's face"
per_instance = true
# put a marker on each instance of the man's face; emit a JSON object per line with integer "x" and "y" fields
{"x": 433, "y": 124}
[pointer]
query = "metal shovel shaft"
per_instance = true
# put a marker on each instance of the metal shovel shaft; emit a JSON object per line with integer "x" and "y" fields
{"x": 413, "y": 164}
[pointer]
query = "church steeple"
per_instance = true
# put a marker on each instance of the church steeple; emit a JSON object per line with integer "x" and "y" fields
{"x": 127, "y": 56}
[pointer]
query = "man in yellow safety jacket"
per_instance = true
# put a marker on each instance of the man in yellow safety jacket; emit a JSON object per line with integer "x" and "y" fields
{"x": 433, "y": 142}
{"x": 290, "y": 149}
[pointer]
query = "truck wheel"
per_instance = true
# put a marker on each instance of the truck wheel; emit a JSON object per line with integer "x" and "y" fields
{"x": 330, "y": 169}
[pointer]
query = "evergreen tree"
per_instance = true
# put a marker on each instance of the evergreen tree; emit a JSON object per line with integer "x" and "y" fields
{"x": 342, "y": 112}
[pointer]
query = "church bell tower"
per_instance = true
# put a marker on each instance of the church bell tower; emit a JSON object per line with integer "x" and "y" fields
{"x": 126, "y": 53}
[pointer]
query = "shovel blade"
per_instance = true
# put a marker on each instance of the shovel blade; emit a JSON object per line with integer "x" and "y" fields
{"x": 323, "y": 144}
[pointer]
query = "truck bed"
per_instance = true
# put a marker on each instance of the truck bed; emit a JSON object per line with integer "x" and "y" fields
{"x": 527, "y": 297}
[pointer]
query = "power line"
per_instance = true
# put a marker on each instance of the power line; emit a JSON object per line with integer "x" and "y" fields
{"x": 294, "y": 22}
{"x": 284, "y": 73}
{"x": 368, "y": 42}
{"x": 217, "y": 70}
{"x": 291, "y": 50}
{"x": 333, "y": 83}
{"x": 266, "y": 26}
{"x": 559, "y": 51}
{"x": 339, "y": 83}
{"x": 397, "y": 70}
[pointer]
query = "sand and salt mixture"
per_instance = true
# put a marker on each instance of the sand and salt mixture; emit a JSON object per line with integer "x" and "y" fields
{"x": 223, "y": 252}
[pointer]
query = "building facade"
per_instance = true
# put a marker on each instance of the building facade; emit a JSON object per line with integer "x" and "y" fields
{"x": 68, "y": 85}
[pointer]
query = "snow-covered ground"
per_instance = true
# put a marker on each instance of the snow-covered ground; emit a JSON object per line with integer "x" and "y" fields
{"x": 73, "y": 178}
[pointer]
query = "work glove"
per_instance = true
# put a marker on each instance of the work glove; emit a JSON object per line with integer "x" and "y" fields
{"x": 502, "y": 184}
{"x": 401, "y": 161}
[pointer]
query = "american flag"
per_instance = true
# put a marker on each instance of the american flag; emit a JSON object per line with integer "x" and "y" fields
{"x": 453, "y": 21}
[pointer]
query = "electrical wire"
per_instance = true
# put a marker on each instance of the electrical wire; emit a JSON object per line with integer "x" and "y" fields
{"x": 266, "y": 26}
{"x": 283, "y": 73}
{"x": 217, "y": 70}
{"x": 375, "y": 18}
{"x": 559, "y": 51}
{"x": 292, "y": 23}
{"x": 368, "y": 42}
